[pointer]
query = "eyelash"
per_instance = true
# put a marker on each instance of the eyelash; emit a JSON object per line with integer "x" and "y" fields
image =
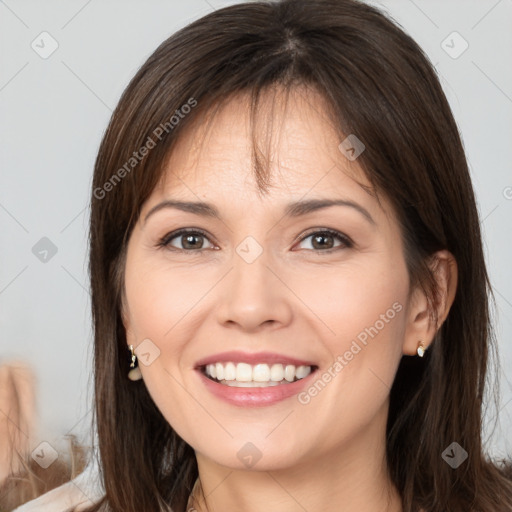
{"x": 165, "y": 241}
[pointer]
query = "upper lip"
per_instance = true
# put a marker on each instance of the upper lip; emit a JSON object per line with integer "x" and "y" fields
{"x": 236, "y": 356}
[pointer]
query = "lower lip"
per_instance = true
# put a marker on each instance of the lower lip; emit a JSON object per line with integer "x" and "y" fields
{"x": 255, "y": 397}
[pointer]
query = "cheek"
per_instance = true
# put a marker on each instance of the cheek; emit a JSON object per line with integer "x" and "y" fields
{"x": 354, "y": 299}
{"x": 371, "y": 309}
{"x": 159, "y": 301}
{"x": 371, "y": 325}
{"x": 367, "y": 317}
{"x": 361, "y": 311}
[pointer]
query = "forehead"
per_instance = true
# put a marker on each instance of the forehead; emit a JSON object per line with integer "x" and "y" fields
{"x": 214, "y": 155}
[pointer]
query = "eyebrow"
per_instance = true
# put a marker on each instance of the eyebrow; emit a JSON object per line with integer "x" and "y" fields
{"x": 295, "y": 209}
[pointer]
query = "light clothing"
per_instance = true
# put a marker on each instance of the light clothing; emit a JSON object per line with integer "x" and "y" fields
{"x": 84, "y": 490}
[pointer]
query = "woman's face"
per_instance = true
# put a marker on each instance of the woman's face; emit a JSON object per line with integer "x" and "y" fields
{"x": 266, "y": 287}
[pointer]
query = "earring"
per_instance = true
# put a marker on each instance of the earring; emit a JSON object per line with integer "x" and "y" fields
{"x": 134, "y": 374}
{"x": 421, "y": 349}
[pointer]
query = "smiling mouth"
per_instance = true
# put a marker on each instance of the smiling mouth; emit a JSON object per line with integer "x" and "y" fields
{"x": 244, "y": 375}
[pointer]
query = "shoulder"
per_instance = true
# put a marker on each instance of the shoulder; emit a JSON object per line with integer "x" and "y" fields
{"x": 81, "y": 492}
{"x": 59, "y": 499}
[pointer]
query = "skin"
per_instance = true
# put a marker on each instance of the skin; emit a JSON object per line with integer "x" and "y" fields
{"x": 17, "y": 386}
{"x": 294, "y": 299}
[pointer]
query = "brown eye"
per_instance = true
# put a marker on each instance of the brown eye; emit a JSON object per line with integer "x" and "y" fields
{"x": 324, "y": 240}
{"x": 188, "y": 240}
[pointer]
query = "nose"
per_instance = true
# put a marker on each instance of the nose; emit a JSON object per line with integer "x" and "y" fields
{"x": 254, "y": 296}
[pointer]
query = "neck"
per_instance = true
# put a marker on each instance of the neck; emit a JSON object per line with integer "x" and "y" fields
{"x": 353, "y": 477}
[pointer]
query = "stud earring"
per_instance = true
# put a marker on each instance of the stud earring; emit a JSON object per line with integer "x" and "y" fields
{"x": 134, "y": 373}
{"x": 421, "y": 349}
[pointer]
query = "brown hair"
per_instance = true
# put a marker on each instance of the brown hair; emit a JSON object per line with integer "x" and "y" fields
{"x": 380, "y": 86}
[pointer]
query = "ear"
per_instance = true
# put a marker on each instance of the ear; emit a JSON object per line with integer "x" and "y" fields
{"x": 419, "y": 326}
{"x": 130, "y": 338}
{"x": 125, "y": 318}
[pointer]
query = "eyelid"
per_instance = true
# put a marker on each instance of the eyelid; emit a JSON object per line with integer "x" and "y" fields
{"x": 332, "y": 232}
{"x": 164, "y": 242}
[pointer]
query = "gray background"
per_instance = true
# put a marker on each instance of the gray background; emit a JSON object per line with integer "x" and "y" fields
{"x": 55, "y": 110}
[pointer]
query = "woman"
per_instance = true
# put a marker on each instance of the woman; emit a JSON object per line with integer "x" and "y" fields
{"x": 289, "y": 293}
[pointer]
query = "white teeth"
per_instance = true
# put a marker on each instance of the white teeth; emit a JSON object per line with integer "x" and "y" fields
{"x": 243, "y": 372}
{"x": 212, "y": 370}
{"x": 252, "y": 384}
{"x": 289, "y": 372}
{"x": 259, "y": 375}
{"x": 277, "y": 373}
{"x": 302, "y": 371}
{"x": 229, "y": 371}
